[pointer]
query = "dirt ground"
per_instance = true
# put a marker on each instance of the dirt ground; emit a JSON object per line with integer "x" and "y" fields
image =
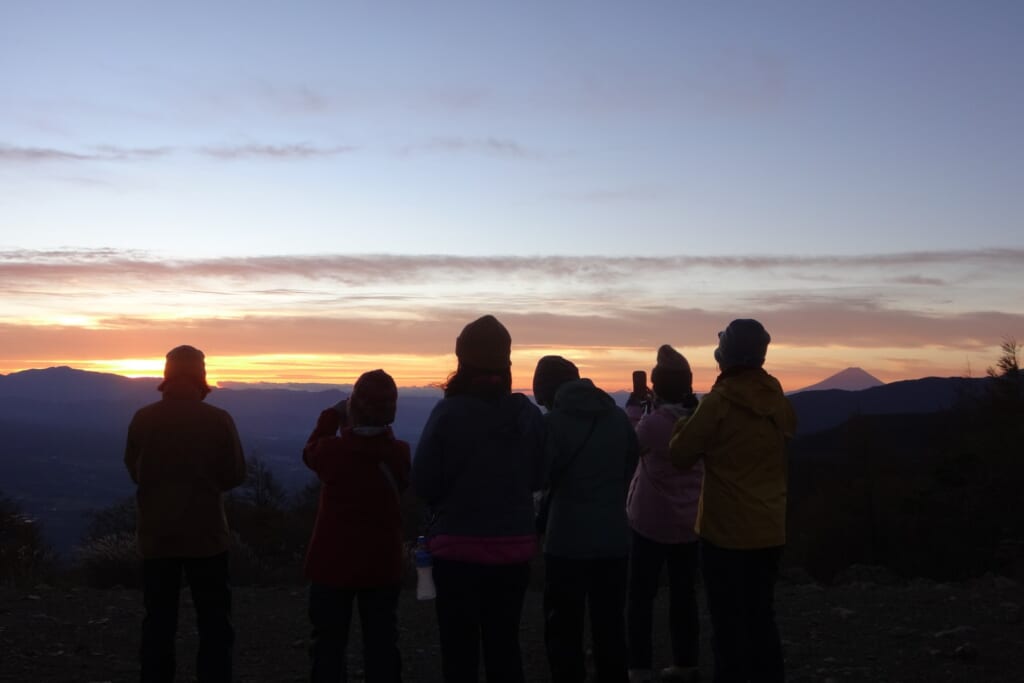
{"x": 883, "y": 632}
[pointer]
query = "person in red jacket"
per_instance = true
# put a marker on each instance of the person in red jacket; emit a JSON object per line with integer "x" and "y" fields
{"x": 355, "y": 553}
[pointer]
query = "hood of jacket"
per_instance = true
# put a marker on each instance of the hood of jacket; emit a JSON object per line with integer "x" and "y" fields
{"x": 755, "y": 390}
{"x": 581, "y": 397}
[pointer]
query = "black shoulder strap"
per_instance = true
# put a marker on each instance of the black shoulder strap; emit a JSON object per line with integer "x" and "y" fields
{"x": 572, "y": 458}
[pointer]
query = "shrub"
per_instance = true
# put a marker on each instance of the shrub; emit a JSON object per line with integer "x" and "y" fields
{"x": 24, "y": 555}
{"x": 108, "y": 561}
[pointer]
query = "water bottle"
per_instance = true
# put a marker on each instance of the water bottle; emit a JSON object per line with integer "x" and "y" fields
{"x": 424, "y": 571}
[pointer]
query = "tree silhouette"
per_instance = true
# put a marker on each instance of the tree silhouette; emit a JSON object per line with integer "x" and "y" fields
{"x": 261, "y": 487}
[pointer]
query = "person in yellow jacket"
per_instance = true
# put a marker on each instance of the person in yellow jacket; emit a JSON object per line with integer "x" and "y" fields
{"x": 739, "y": 431}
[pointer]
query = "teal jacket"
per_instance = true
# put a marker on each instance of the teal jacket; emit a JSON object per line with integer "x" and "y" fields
{"x": 592, "y": 450}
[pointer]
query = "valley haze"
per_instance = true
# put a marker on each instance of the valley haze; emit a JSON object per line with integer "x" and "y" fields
{"x": 63, "y": 429}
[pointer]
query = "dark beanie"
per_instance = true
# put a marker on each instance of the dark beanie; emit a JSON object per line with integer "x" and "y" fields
{"x": 671, "y": 378}
{"x": 484, "y": 344}
{"x": 551, "y": 373}
{"x": 743, "y": 343}
{"x": 185, "y": 363}
{"x": 374, "y": 399}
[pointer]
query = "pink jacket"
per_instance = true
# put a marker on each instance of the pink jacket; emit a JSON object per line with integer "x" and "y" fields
{"x": 662, "y": 502}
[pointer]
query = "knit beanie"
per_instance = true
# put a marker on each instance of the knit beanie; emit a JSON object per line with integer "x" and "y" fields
{"x": 743, "y": 343}
{"x": 484, "y": 344}
{"x": 185, "y": 363}
{"x": 374, "y": 400}
{"x": 671, "y": 377}
{"x": 551, "y": 373}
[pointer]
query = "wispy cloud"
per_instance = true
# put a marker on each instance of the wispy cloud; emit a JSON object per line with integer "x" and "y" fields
{"x": 489, "y": 146}
{"x": 39, "y": 154}
{"x": 411, "y": 304}
{"x": 114, "y": 153}
{"x": 292, "y": 99}
{"x": 918, "y": 280}
{"x": 274, "y": 152}
{"x": 356, "y": 269}
{"x": 13, "y": 154}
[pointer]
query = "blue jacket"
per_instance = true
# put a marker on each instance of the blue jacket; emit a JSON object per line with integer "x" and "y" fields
{"x": 588, "y": 503}
{"x": 478, "y": 463}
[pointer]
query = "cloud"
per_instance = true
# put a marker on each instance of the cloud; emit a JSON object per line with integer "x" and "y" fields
{"x": 39, "y": 154}
{"x": 431, "y": 328}
{"x": 918, "y": 280}
{"x": 113, "y": 153}
{"x": 293, "y": 99}
{"x": 31, "y": 155}
{"x": 495, "y": 147}
{"x": 276, "y": 152}
{"x": 359, "y": 270}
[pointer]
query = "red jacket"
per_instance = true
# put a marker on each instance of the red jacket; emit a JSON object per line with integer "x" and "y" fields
{"x": 357, "y": 539}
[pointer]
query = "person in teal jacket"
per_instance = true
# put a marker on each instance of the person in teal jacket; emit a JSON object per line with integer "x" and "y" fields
{"x": 592, "y": 450}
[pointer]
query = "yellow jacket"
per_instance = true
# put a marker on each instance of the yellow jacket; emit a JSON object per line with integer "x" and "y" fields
{"x": 740, "y": 430}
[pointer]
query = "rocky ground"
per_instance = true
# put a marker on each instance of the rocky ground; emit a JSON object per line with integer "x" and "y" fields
{"x": 869, "y": 629}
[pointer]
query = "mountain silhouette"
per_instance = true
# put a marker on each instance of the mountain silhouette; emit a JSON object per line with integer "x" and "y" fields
{"x": 820, "y": 410}
{"x": 850, "y": 379}
{"x": 62, "y": 430}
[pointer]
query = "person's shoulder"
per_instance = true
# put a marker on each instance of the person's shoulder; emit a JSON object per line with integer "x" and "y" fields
{"x": 213, "y": 410}
{"x": 658, "y": 418}
{"x": 145, "y": 415}
{"x": 710, "y": 400}
{"x": 149, "y": 408}
{"x": 521, "y": 403}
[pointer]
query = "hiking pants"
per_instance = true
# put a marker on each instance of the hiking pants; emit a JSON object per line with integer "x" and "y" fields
{"x": 740, "y": 586}
{"x": 330, "y": 613}
{"x": 570, "y": 587}
{"x": 161, "y": 583}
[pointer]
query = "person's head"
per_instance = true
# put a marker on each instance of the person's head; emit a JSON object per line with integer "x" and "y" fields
{"x": 185, "y": 366}
{"x": 484, "y": 351}
{"x": 671, "y": 378}
{"x": 374, "y": 400}
{"x": 744, "y": 343}
{"x": 484, "y": 344}
{"x": 551, "y": 373}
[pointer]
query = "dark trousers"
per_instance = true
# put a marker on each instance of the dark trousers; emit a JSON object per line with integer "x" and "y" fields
{"x": 208, "y": 579}
{"x": 480, "y": 604}
{"x": 646, "y": 558}
{"x": 330, "y": 613}
{"x": 740, "y": 587}
{"x": 570, "y": 586}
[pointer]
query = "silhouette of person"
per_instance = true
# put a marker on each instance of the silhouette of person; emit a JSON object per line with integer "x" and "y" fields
{"x": 477, "y": 465}
{"x": 183, "y": 454}
{"x": 592, "y": 450}
{"x": 355, "y": 553}
{"x": 739, "y": 430}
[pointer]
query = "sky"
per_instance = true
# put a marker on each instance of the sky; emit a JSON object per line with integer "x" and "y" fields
{"x": 309, "y": 190}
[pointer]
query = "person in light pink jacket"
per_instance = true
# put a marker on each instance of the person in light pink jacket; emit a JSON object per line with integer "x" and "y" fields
{"x": 662, "y": 509}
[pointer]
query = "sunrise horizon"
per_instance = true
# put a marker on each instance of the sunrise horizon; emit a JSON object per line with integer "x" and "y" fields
{"x": 272, "y": 372}
{"x": 344, "y": 188}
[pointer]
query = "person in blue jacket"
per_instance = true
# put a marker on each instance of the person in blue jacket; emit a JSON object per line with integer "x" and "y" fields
{"x": 477, "y": 464}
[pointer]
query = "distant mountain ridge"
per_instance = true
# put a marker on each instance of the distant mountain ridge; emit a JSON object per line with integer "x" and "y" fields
{"x": 850, "y": 379}
{"x": 62, "y": 430}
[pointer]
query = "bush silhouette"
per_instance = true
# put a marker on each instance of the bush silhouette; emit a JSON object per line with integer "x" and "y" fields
{"x": 24, "y": 555}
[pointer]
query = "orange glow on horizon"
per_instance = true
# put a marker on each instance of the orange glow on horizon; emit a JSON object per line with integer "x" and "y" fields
{"x": 609, "y": 367}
